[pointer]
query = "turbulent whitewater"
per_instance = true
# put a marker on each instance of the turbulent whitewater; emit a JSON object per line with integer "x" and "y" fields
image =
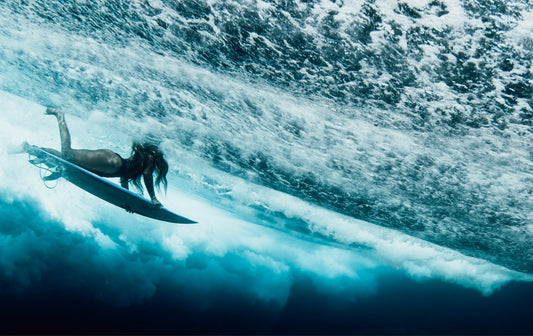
{"x": 403, "y": 127}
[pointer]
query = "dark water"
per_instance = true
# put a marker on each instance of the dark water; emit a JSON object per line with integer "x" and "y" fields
{"x": 68, "y": 284}
{"x": 402, "y": 307}
{"x": 316, "y": 120}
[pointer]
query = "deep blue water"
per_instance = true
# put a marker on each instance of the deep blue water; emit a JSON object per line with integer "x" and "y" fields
{"x": 355, "y": 166}
{"x": 66, "y": 284}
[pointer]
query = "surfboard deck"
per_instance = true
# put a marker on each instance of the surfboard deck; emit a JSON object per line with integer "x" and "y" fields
{"x": 105, "y": 189}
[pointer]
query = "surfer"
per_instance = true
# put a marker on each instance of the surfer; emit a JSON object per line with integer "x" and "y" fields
{"x": 145, "y": 160}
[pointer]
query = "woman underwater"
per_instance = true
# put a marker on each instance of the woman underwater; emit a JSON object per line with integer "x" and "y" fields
{"x": 146, "y": 158}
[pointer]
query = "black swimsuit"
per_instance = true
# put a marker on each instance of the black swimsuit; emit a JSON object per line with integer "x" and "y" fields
{"x": 123, "y": 171}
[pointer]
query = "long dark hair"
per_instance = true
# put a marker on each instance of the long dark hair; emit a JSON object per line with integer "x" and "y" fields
{"x": 142, "y": 154}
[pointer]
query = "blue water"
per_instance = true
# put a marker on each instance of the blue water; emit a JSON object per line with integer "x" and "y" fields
{"x": 356, "y": 166}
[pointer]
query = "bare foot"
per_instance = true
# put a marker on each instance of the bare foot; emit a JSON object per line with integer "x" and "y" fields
{"x": 52, "y": 111}
{"x": 25, "y": 146}
{"x": 18, "y": 149}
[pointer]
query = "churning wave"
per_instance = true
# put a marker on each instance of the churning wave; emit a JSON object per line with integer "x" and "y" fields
{"x": 341, "y": 139}
{"x": 411, "y": 115}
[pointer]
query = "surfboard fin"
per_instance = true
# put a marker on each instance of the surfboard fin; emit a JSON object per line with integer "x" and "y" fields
{"x": 54, "y": 176}
{"x": 36, "y": 161}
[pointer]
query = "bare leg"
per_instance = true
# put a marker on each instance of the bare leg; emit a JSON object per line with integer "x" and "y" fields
{"x": 66, "y": 149}
{"x": 100, "y": 160}
{"x": 53, "y": 151}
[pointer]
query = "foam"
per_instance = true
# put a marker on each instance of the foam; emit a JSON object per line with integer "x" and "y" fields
{"x": 232, "y": 229}
{"x": 418, "y": 258}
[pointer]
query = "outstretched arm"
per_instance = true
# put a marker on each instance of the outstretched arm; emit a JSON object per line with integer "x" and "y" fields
{"x": 149, "y": 183}
{"x": 124, "y": 183}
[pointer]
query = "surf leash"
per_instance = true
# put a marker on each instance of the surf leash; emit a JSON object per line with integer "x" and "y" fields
{"x": 42, "y": 167}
